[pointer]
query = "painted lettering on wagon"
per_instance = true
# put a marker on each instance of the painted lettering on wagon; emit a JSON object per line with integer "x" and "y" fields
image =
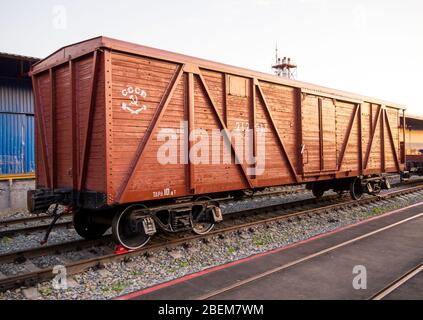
{"x": 135, "y": 95}
{"x": 164, "y": 193}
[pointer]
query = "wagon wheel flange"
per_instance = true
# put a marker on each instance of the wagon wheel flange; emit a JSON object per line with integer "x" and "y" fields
{"x": 202, "y": 221}
{"x": 356, "y": 189}
{"x": 124, "y": 234}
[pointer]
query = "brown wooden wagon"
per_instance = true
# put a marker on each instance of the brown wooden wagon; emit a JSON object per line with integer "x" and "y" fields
{"x": 103, "y": 106}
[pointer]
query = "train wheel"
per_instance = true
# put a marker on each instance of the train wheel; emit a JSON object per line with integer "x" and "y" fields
{"x": 317, "y": 191}
{"x": 356, "y": 189}
{"x": 202, "y": 220}
{"x": 123, "y": 232}
{"x": 376, "y": 188}
{"x": 82, "y": 222}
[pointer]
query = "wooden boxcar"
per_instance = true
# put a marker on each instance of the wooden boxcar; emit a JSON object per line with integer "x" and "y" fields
{"x": 102, "y": 104}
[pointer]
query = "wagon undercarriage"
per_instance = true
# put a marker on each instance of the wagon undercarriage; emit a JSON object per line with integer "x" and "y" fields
{"x": 134, "y": 225}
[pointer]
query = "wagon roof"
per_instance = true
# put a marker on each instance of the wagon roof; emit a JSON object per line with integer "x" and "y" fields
{"x": 79, "y": 49}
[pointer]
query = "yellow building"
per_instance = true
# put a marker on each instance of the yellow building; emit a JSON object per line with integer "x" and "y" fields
{"x": 414, "y": 135}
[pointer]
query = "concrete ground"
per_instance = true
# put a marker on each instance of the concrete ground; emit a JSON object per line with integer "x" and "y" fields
{"x": 312, "y": 271}
{"x": 408, "y": 290}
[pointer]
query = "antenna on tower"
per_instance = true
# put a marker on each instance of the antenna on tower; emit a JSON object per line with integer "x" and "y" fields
{"x": 276, "y": 52}
{"x": 285, "y": 67}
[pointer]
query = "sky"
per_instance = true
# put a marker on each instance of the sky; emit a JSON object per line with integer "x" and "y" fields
{"x": 372, "y": 47}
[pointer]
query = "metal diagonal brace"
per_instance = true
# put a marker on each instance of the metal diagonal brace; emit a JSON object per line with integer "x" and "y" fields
{"x": 275, "y": 128}
{"x": 369, "y": 147}
{"x": 149, "y": 133}
{"x": 391, "y": 140}
{"x": 347, "y": 137}
{"x": 225, "y": 131}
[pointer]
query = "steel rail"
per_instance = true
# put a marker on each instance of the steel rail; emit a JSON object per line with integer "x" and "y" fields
{"x": 9, "y": 222}
{"x": 398, "y": 283}
{"x": 77, "y": 245}
{"x": 41, "y": 227}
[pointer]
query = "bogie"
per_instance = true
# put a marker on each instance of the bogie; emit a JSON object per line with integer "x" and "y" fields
{"x": 134, "y": 226}
{"x": 356, "y": 189}
{"x": 356, "y": 186}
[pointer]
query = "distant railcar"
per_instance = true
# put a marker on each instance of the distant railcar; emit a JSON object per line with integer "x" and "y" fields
{"x": 104, "y": 108}
{"x": 414, "y": 164}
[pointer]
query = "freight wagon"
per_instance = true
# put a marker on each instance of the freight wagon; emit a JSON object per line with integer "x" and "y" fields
{"x": 136, "y": 138}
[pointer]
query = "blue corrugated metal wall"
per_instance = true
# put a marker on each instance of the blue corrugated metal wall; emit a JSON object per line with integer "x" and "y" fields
{"x": 16, "y": 127}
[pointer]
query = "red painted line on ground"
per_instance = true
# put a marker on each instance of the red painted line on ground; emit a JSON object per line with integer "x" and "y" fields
{"x": 253, "y": 257}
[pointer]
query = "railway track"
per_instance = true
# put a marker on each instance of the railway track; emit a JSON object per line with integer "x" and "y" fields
{"x": 25, "y": 220}
{"x": 30, "y": 224}
{"x": 38, "y": 227}
{"x": 101, "y": 251}
{"x": 398, "y": 283}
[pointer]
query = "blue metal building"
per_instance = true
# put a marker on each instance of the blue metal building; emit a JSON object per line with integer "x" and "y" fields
{"x": 16, "y": 116}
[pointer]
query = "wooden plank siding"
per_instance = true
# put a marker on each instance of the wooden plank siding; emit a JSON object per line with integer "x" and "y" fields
{"x": 68, "y": 91}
